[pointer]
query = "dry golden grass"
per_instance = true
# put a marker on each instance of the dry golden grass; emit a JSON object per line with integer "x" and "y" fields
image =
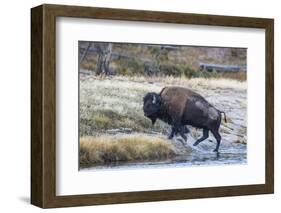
{"x": 106, "y": 149}
{"x": 193, "y": 83}
{"x": 240, "y": 76}
{"x": 88, "y": 66}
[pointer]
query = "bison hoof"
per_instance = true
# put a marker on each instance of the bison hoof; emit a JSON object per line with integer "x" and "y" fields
{"x": 184, "y": 138}
{"x": 195, "y": 144}
{"x": 215, "y": 150}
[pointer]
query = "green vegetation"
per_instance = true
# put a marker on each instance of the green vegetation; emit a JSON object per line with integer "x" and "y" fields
{"x": 179, "y": 71}
{"x": 129, "y": 67}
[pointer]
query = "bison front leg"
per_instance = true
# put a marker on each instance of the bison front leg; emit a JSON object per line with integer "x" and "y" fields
{"x": 182, "y": 133}
{"x": 178, "y": 127}
{"x": 172, "y": 133}
{"x": 181, "y": 130}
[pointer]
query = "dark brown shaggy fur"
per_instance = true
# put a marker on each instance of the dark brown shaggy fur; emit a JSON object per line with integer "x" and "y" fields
{"x": 180, "y": 106}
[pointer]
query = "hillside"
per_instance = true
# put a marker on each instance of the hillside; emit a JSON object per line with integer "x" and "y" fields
{"x": 167, "y": 60}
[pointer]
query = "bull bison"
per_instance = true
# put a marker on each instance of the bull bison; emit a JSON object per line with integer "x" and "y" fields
{"x": 180, "y": 106}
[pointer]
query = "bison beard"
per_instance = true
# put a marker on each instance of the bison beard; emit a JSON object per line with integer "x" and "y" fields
{"x": 178, "y": 107}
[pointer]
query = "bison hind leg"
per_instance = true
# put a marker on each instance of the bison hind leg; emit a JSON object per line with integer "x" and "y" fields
{"x": 204, "y": 137}
{"x": 218, "y": 138}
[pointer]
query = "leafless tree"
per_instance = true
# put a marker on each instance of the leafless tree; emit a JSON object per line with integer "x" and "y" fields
{"x": 84, "y": 54}
{"x": 104, "y": 52}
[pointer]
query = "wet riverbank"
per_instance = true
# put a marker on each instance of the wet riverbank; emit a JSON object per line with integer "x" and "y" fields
{"x": 188, "y": 155}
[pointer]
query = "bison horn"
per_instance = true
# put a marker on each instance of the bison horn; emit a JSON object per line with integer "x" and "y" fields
{"x": 154, "y": 99}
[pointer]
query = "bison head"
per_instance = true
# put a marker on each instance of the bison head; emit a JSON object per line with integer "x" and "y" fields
{"x": 151, "y": 106}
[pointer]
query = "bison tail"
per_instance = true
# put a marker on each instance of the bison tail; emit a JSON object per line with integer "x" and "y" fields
{"x": 224, "y": 116}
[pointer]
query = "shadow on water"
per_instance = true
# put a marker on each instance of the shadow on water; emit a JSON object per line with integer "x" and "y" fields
{"x": 211, "y": 159}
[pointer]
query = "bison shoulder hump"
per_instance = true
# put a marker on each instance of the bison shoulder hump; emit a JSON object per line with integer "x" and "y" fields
{"x": 174, "y": 99}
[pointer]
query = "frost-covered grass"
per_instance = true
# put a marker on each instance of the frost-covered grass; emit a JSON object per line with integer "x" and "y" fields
{"x": 107, "y": 104}
{"x": 106, "y": 149}
{"x": 113, "y": 104}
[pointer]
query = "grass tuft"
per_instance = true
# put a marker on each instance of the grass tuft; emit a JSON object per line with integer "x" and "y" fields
{"x": 106, "y": 149}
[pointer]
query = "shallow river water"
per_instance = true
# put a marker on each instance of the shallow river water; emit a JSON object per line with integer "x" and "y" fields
{"x": 201, "y": 155}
